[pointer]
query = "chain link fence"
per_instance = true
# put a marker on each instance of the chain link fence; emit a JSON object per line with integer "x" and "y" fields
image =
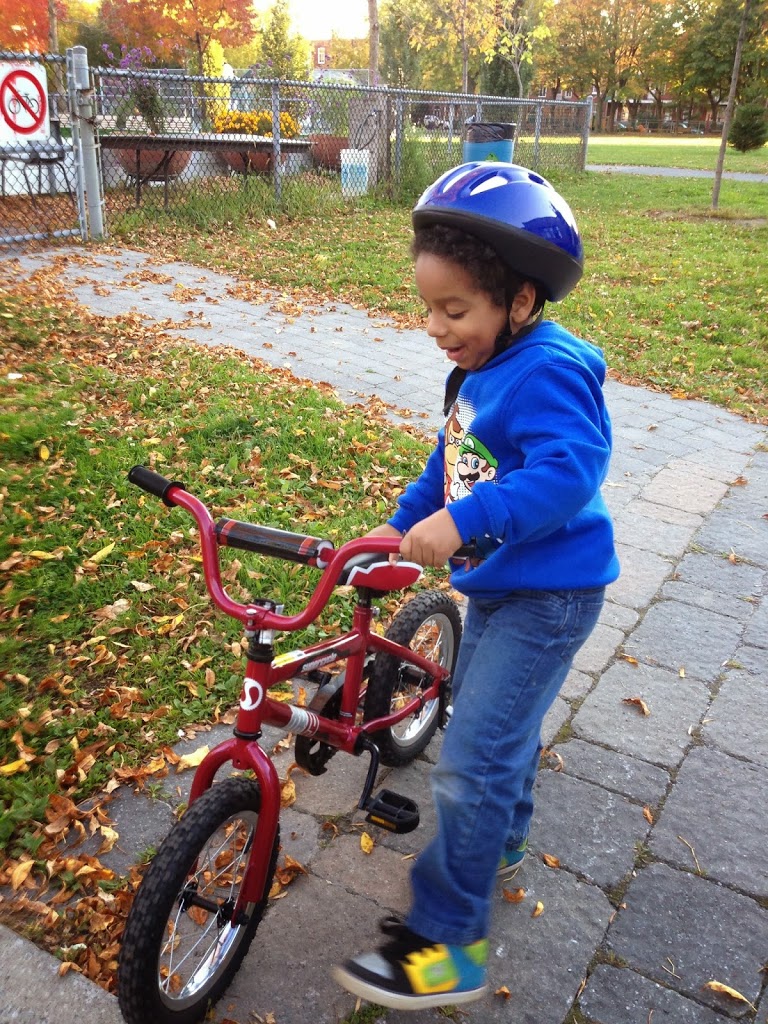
{"x": 209, "y": 148}
{"x": 38, "y": 156}
{"x": 225, "y": 150}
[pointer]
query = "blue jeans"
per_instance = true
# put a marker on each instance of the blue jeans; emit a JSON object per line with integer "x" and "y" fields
{"x": 514, "y": 657}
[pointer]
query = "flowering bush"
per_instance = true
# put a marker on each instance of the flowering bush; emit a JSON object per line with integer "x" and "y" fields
{"x": 255, "y": 122}
{"x": 140, "y": 94}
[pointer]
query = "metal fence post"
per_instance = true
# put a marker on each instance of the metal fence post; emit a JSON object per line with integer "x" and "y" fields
{"x": 537, "y": 136}
{"x": 399, "y": 133}
{"x": 277, "y": 169}
{"x": 83, "y": 110}
{"x": 585, "y": 132}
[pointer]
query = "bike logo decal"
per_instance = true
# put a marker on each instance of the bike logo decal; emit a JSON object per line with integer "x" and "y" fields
{"x": 303, "y": 722}
{"x": 252, "y": 695}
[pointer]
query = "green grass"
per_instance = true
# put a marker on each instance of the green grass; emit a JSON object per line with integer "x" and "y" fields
{"x": 689, "y": 152}
{"x": 108, "y": 644}
{"x": 674, "y": 294}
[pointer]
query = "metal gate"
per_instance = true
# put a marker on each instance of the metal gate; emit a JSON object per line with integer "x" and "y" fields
{"x": 42, "y": 186}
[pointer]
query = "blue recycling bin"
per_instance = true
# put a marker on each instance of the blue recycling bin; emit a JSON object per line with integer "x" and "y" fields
{"x": 489, "y": 140}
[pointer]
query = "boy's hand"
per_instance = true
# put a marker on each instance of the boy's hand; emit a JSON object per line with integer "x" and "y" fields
{"x": 385, "y": 530}
{"x": 432, "y": 541}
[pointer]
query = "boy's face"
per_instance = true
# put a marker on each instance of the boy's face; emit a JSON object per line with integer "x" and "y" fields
{"x": 462, "y": 319}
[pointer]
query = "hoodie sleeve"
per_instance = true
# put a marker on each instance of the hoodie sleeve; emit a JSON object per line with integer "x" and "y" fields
{"x": 425, "y": 495}
{"x": 557, "y": 421}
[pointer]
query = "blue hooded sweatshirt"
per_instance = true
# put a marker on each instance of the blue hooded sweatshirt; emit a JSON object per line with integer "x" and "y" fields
{"x": 519, "y": 465}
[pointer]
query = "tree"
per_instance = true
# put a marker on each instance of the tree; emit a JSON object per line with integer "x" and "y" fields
{"x": 173, "y": 27}
{"x": 349, "y": 53}
{"x": 469, "y": 26}
{"x": 282, "y": 53}
{"x": 374, "y": 33}
{"x": 522, "y": 23}
{"x": 25, "y": 25}
{"x": 401, "y": 62}
{"x": 82, "y": 26}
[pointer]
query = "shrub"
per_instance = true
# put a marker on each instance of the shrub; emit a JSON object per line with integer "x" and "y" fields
{"x": 749, "y": 129}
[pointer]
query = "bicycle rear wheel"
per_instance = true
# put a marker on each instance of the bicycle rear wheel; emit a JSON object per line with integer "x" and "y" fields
{"x": 431, "y": 625}
{"x": 181, "y": 947}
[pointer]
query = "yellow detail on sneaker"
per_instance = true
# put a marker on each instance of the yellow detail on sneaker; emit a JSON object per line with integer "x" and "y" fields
{"x": 431, "y": 970}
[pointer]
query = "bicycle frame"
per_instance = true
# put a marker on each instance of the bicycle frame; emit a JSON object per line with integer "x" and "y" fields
{"x": 263, "y": 670}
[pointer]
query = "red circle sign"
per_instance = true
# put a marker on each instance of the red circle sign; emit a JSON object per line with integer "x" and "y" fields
{"x": 23, "y": 105}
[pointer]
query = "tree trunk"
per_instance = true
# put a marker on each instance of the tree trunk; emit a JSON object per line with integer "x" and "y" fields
{"x": 373, "y": 42}
{"x": 53, "y": 28}
{"x": 731, "y": 103}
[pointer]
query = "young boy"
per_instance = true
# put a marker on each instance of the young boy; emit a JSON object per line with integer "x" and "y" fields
{"x": 525, "y": 407}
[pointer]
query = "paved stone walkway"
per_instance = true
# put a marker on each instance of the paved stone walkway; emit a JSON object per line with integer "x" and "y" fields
{"x": 658, "y": 821}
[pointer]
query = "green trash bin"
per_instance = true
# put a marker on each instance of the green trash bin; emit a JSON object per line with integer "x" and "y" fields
{"x": 489, "y": 140}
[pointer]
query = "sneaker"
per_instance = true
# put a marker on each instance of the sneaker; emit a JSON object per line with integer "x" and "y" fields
{"x": 511, "y": 862}
{"x": 409, "y": 972}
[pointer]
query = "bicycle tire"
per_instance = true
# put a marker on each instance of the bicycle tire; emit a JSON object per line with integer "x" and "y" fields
{"x": 194, "y": 861}
{"x": 431, "y": 625}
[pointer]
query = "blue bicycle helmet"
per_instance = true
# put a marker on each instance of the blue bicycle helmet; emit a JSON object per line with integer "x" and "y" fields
{"x": 517, "y": 213}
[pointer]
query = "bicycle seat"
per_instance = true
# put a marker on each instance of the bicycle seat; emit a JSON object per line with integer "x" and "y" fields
{"x": 375, "y": 571}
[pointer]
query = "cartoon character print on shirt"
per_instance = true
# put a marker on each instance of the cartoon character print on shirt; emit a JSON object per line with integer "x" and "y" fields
{"x": 467, "y": 462}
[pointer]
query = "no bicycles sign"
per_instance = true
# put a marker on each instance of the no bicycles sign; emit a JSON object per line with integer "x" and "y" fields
{"x": 23, "y": 103}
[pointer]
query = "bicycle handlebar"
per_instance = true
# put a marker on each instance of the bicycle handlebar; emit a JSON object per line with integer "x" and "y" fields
{"x": 269, "y": 541}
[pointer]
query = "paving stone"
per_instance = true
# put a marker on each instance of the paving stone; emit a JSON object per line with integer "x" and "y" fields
{"x": 682, "y": 485}
{"x": 599, "y": 648}
{"x": 666, "y": 514}
{"x": 735, "y": 529}
{"x": 602, "y": 832}
{"x": 618, "y": 616}
{"x": 638, "y": 531}
{"x": 141, "y": 822}
{"x": 677, "y": 921}
{"x": 686, "y": 637}
{"x": 619, "y": 996}
{"x": 628, "y": 775}
{"x": 737, "y": 721}
{"x": 381, "y": 876}
{"x": 676, "y": 705}
{"x": 756, "y": 633}
{"x": 741, "y": 789}
{"x": 642, "y": 574}
{"x": 576, "y": 686}
{"x": 751, "y": 659}
{"x": 715, "y": 573}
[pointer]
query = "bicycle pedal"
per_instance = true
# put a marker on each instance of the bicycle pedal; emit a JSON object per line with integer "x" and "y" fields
{"x": 392, "y": 811}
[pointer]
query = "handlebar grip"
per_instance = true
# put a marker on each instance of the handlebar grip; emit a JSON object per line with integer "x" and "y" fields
{"x": 153, "y": 483}
{"x": 266, "y": 540}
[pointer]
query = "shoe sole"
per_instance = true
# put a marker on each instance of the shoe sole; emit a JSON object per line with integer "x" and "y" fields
{"x": 508, "y": 873}
{"x": 399, "y": 1000}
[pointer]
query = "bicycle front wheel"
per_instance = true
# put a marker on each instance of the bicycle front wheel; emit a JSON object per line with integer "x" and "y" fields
{"x": 181, "y": 946}
{"x": 431, "y": 625}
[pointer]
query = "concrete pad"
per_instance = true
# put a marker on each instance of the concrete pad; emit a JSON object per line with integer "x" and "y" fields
{"x": 737, "y": 722}
{"x": 31, "y": 991}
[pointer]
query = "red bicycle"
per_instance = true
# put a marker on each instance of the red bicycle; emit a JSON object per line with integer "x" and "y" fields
{"x": 205, "y": 891}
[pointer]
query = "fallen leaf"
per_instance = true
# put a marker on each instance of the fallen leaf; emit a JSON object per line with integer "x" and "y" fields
{"x": 639, "y": 703}
{"x": 513, "y": 895}
{"x": 726, "y": 990}
{"x": 99, "y": 557}
{"x": 503, "y": 991}
{"x": 538, "y": 910}
{"x": 287, "y": 793}
{"x": 192, "y": 760}
{"x": 648, "y": 815}
{"x": 44, "y": 452}
{"x": 628, "y": 658}
{"x": 366, "y": 843}
{"x": 13, "y": 767}
{"x": 20, "y": 873}
{"x": 550, "y": 860}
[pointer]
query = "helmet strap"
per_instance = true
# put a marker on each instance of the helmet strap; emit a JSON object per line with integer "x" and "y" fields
{"x": 504, "y": 339}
